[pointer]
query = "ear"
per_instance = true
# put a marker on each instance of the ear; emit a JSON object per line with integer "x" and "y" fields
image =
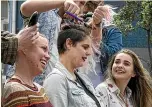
{"x": 24, "y": 51}
{"x": 69, "y": 43}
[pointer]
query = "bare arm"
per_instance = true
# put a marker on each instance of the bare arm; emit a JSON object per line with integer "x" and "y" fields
{"x": 30, "y": 6}
{"x": 99, "y": 13}
{"x": 96, "y": 36}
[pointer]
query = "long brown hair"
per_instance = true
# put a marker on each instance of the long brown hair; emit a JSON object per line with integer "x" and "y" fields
{"x": 141, "y": 84}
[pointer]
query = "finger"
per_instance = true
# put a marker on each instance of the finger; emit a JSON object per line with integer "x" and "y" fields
{"x": 70, "y": 8}
{"x": 35, "y": 37}
{"x": 77, "y": 11}
{"x": 97, "y": 18}
{"x": 104, "y": 10}
{"x": 74, "y": 9}
{"x": 66, "y": 6}
{"x": 71, "y": 11}
{"x": 32, "y": 28}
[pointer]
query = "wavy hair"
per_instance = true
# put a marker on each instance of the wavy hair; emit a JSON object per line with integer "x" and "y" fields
{"x": 141, "y": 84}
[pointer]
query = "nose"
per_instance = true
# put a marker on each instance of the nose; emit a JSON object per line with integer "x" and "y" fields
{"x": 47, "y": 56}
{"x": 89, "y": 52}
{"x": 120, "y": 65}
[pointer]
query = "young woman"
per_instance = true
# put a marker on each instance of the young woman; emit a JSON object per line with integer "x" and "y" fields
{"x": 65, "y": 85}
{"x": 128, "y": 83}
{"x": 20, "y": 90}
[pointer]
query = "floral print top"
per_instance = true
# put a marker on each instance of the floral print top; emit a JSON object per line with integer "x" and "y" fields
{"x": 110, "y": 95}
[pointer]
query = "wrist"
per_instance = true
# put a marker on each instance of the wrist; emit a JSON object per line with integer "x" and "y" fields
{"x": 99, "y": 25}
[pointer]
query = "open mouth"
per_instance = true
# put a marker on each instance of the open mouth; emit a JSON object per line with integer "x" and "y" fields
{"x": 120, "y": 71}
{"x": 84, "y": 58}
{"x": 43, "y": 62}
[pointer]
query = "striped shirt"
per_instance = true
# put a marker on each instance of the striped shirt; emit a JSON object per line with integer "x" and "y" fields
{"x": 17, "y": 94}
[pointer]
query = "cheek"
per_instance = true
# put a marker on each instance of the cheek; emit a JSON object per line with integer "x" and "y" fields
{"x": 35, "y": 58}
{"x": 113, "y": 67}
{"x": 132, "y": 72}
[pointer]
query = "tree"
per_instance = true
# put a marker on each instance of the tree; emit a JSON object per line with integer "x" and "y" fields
{"x": 136, "y": 14}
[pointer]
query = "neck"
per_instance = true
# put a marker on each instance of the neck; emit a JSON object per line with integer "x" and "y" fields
{"x": 67, "y": 64}
{"x": 24, "y": 72}
{"x": 121, "y": 85}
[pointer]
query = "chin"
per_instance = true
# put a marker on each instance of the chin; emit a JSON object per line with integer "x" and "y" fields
{"x": 39, "y": 71}
{"x": 81, "y": 64}
{"x": 119, "y": 77}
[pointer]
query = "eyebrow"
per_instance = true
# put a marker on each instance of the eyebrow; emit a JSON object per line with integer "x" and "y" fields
{"x": 124, "y": 61}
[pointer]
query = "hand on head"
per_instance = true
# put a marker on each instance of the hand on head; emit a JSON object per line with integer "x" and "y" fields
{"x": 27, "y": 37}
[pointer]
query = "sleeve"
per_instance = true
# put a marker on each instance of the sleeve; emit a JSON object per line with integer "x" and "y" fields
{"x": 112, "y": 42}
{"x": 9, "y": 46}
{"x": 12, "y": 94}
{"x": 103, "y": 93}
{"x": 56, "y": 89}
{"x": 25, "y": 19}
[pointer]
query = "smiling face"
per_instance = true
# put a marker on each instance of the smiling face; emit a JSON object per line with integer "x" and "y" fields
{"x": 122, "y": 68}
{"x": 38, "y": 55}
{"x": 80, "y": 52}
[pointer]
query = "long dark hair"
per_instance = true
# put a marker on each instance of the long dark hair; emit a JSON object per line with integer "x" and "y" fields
{"x": 141, "y": 84}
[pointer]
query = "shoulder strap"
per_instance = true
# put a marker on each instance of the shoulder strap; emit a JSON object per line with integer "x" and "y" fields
{"x": 90, "y": 93}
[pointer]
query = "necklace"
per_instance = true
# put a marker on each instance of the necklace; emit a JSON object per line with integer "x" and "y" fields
{"x": 124, "y": 99}
{"x": 22, "y": 81}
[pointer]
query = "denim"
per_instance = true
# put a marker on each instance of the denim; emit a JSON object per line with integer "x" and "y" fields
{"x": 63, "y": 91}
{"x": 49, "y": 26}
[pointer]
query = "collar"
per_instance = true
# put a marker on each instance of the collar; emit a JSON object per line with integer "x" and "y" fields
{"x": 63, "y": 70}
{"x": 114, "y": 89}
{"x": 86, "y": 81}
{"x": 81, "y": 75}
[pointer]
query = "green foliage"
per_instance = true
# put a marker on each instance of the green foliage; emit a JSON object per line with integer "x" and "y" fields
{"x": 133, "y": 15}
{"x": 136, "y": 14}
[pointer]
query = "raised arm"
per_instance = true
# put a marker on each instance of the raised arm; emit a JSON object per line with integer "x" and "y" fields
{"x": 11, "y": 43}
{"x": 30, "y": 6}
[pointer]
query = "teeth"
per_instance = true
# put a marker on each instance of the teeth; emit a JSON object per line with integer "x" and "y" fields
{"x": 120, "y": 71}
{"x": 84, "y": 58}
{"x": 43, "y": 62}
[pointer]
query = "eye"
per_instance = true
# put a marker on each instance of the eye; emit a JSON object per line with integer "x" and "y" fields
{"x": 117, "y": 62}
{"x": 85, "y": 47}
{"x": 44, "y": 48}
{"x": 126, "y": 64}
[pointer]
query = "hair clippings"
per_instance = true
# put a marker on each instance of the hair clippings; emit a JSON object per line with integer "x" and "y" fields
{"x": 77, "y": 18}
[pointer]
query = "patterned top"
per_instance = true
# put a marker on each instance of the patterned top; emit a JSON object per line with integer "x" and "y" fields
{"x": 110, "y": 95}
{"x": 17, "y": 94}
{"x": 9, "y": 47}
